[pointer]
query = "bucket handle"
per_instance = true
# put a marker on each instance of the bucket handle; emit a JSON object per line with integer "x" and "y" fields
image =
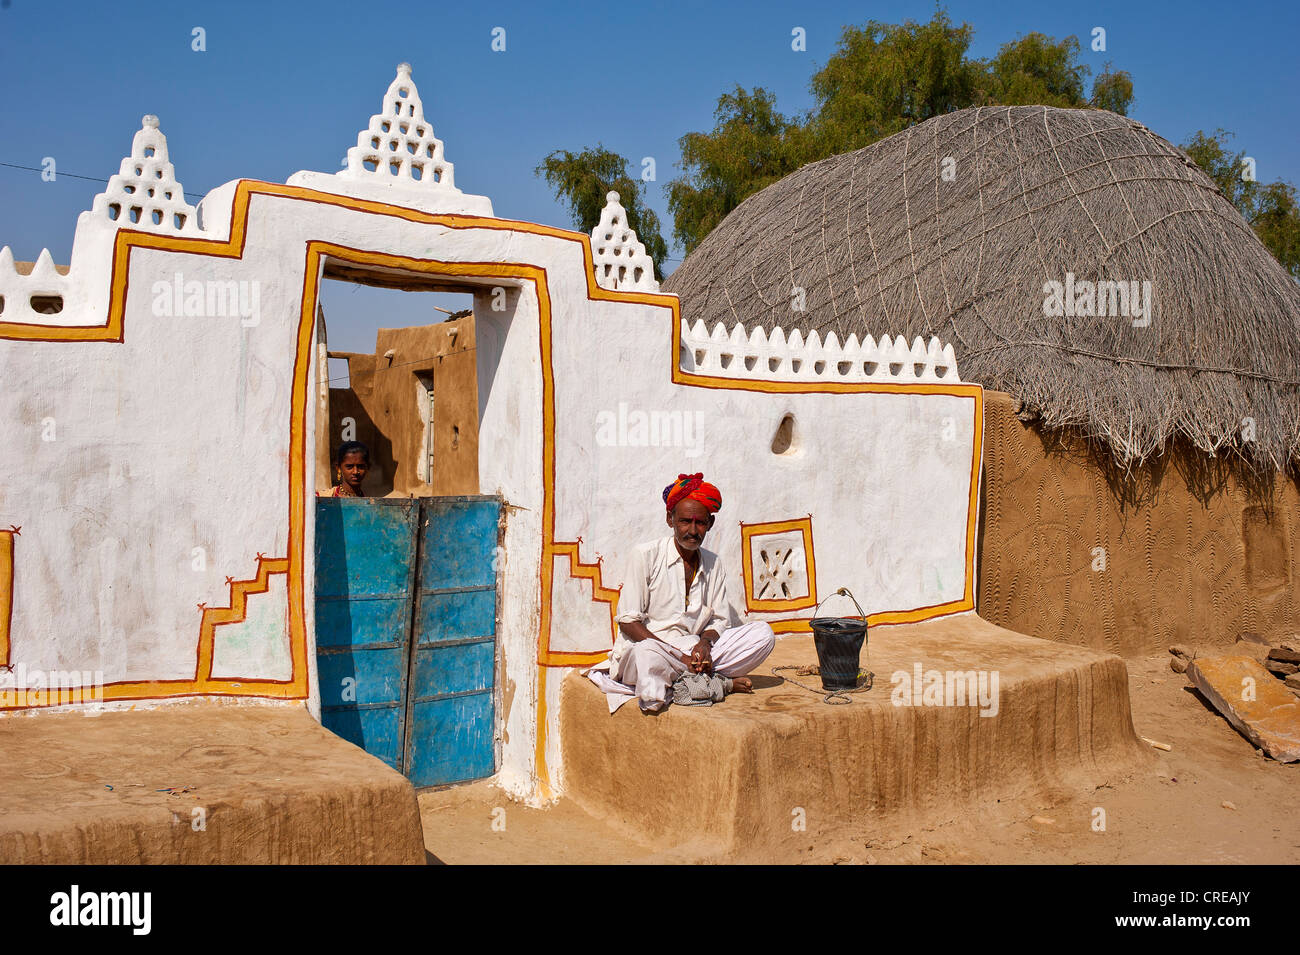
{"x": 842, "y": 592}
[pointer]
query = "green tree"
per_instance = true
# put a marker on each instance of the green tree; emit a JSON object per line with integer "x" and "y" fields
{"x": 1112, "y": 90}
{"x": 752, "y": 146}
{"x": 881, "y": 79}
{"x": 1036, "y": 70}
{"x": 583, "y": 179}
{"x": 1041, "y": 70}
{"x": 1270, "y": 210}
{"x": 884, "y": 77}
{"x": 1277, "y": 223}
{"x": 1210, "y": 152}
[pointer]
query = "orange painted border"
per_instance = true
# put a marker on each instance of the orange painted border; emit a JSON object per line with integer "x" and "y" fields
{"x": 955, "y": 389}
{"x": 203, "y": 683}
{"x": 6, "y": 593}
{"x": 747, "y": 533}
{"x": 233, "y": 248}
{"x": 577, "y": 569}
{"x": 237, "y": 612}
{"x": 114, "y": 328}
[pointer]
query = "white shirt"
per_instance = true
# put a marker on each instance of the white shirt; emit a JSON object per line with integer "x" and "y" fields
{"x": 654, "y": 593}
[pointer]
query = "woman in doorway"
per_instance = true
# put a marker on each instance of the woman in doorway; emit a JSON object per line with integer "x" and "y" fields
{"x": 351, "y": 464}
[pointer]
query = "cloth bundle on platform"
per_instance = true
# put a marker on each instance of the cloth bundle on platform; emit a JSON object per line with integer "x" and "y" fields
{"x": 700, "y": 689}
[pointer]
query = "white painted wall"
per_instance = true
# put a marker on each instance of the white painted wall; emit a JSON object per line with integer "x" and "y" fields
{"x": 178, "y": 438}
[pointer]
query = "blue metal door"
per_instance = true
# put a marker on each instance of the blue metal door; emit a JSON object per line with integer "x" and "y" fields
{"x": 453, "y": 664}
{"x": 365, "y": 576}
{"x": 406, "y": 631}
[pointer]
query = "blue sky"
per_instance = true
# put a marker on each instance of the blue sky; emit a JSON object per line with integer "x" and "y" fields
{"x": 286, "y": 86}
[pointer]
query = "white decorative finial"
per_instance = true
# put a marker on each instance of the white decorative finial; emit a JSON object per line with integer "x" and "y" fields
{"x": 399, "y": 145}
{"x": 145, "y": 194}
{"x": 398, "y": 160}
{"x": 620, "y": 260}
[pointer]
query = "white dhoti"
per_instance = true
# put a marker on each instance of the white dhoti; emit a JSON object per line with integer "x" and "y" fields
{"x": 651, "y": 667}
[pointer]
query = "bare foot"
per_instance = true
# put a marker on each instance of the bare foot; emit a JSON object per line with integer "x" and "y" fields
{"x": 742, "y": 684}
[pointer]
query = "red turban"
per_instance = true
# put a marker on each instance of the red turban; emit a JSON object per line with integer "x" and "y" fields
{"x": 695, "y": 487}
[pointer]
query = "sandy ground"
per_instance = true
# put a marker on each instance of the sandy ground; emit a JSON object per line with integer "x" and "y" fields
{"x": 1170, "y": 813}
{"x": 197, "y": 782}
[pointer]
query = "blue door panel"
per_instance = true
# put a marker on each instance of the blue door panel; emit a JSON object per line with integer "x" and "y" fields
{"x": 378, "y": 731}
{"x": 354, "y": 623}
{"x": 460, "y": 540}
{"x": 466, "y": 667}
{"x": 406, "y": 647}
{"x": 376, "y": 676}
{"x": 369, "y": 547}
{"x": 365, "y": 563}
{"x": 451, "y": 737}
{"x": 455, "y": 740}
{"x": 456, "y": 616}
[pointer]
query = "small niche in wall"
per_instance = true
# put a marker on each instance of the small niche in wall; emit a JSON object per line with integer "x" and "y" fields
{"x": 783, "y": 440}
{"x": 47, "y": 304}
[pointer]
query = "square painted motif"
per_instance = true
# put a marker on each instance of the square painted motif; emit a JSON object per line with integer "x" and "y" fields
{"x": 779, "y": 568}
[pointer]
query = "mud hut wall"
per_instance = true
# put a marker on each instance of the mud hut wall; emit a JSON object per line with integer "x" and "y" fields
{"x": 158, "y": 554}
{"x": 385, "y": 408}
{"x": 165, "y": 553}
{"x": 444, "y": 354}
{"x": 890, "y": 520}
{"x": 1062, "y": 558}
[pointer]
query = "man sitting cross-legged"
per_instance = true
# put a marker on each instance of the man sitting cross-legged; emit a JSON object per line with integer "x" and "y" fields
{"x": 673, "y": 611}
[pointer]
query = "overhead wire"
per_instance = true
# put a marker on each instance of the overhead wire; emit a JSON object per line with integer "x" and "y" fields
{"x": 73, "y": 175}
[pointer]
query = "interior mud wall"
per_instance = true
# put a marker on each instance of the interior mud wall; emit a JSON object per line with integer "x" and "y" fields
{"x": 386, "y": 406}
{"x": 1067, "y": 555}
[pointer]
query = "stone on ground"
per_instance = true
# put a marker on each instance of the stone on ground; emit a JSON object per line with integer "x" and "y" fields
{"x": 1253, "y": 701}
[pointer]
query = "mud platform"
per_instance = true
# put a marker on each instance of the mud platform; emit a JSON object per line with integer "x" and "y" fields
{"x": 269, "y": 785}
{"x": 779, "y": 768}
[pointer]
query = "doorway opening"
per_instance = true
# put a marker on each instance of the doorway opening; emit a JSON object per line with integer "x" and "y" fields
{"x": 396, "y": 361}
{"x": 406, "y": 577}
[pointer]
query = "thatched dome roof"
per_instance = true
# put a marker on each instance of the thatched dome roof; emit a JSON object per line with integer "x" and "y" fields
{"x": 893, "y": 239}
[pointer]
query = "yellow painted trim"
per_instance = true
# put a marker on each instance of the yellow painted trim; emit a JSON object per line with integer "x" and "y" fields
{"x": 747, "y": 533}
{"x": 592, "y": 572}
{"x": 237, "y": 612}
{"x": 884, "y": 619}
{"x": 539, "y": 754}
{"x": 6, "y": 592}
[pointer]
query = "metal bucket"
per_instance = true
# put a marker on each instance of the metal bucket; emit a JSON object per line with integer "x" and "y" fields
{"x": 839, "y": 643}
